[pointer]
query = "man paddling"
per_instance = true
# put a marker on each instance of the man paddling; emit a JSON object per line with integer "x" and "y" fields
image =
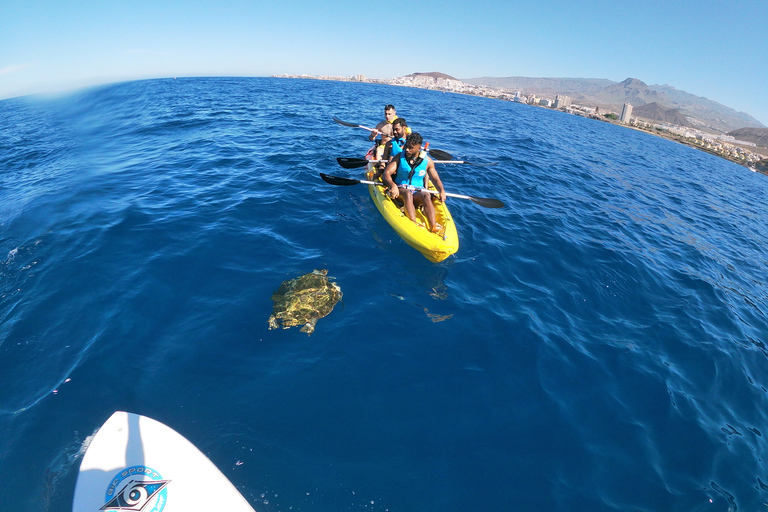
{"x": 392, "y": 145}
{"x": 399, "y": 133}
{"x": 413, "y": 168}
{"x": 385, "y": 127}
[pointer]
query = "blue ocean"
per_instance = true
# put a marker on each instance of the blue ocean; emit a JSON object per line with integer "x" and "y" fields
{"x": 596, "y": 345}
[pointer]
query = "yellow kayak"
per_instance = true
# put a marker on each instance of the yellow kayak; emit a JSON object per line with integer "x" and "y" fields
{"x": 434, "y": 246}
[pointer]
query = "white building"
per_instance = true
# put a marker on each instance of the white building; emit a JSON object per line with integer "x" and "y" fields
{"x": 626, "y": 113}
{"x": 562, "y": 101}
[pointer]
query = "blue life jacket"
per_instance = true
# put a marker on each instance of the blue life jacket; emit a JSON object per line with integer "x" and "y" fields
{"x": 397, "y": 146}
{"x": 407, "y": 175}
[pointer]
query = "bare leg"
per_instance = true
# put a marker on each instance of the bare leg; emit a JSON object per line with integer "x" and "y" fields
{"x": 407, "y": 198}
{"x": 429, "y": 210}
{"x": 379, "y": 168}
{"x": 425, "y": 198}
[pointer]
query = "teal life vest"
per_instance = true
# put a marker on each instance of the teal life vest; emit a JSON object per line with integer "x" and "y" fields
{"x": 397, "y": 146}
{"x": 407, "y": 175}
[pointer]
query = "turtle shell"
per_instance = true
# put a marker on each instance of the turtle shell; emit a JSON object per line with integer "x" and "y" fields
{"x": 303, "y": 300}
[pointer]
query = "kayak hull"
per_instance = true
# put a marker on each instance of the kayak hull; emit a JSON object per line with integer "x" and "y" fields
{"x": 436, "y": 247}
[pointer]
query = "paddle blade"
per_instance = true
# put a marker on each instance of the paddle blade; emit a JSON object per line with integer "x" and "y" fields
{"x": 344, "y": 123}
{"x": 352, "y": 163}
{"x": 487, "y": 202}
{"x": 337, "y": 180}
{"x": 436, "y": 154}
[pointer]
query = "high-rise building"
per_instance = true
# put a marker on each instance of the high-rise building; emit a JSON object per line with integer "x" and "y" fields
{"x": 562, "y": 101}
{"x": 626, "y": 113}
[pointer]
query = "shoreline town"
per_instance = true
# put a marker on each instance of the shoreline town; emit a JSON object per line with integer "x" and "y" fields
{"x": 743, "y": 153}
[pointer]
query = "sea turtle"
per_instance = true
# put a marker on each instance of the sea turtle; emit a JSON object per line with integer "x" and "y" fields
{"x": 303, "y": 300}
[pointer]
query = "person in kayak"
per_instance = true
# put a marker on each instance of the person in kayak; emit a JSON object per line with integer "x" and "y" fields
{"x": 385, "y": 127}
{"x": 413, "y": 168}
{"x": 378, "y": 152}
{"x": 392, "y": 145}
{"x": 399, "y": 133}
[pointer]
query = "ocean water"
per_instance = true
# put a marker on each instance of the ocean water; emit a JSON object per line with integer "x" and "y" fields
{"x": 597, "y": 345}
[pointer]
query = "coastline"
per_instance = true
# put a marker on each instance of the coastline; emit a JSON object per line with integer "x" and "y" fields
{"x": 696, "y": 144}
{"x": 755, "y": 160}
{"x": 687, "y": 142}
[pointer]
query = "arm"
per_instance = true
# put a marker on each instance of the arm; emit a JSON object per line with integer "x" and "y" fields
{"x": 378, "y": 130}
{"x": 389, "y": 172}
{"x": 379, "y": 154}
{"x": 432, "y": 175}
{"x": 385, "y": 154}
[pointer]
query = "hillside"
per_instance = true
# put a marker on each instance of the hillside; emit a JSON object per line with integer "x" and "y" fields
{"x": 574, "y": 87}
{"x": 433, "y": 75}
{"x": 655, "y": 112}
{"x": 631, "y": 91}
{"x": 700, "y": 112}
{"x": 757, "y": 135}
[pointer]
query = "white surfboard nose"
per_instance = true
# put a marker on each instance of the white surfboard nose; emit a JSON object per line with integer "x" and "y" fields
{"x": 137, "y": 464}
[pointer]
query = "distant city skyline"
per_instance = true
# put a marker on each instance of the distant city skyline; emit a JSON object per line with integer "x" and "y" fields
{"x": 715, "y": 50}
{"x": 723, "y": 145}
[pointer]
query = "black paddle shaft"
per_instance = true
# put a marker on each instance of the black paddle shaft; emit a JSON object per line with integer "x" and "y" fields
{"x": 486, "y": 202}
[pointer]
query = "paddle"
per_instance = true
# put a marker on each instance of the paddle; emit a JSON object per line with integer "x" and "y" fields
{"x": 356, "y": 163}
{"x": 477, "y": 164}
{"x": 354, "y": 125}
{"x": 436, "y": 154}
{"x": 482, "y": 201}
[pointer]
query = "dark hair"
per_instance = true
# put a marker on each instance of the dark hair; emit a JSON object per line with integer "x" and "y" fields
{"x": 414, "y": 138}
{"x": 400, "y": 120}
{"x": 388, "y": 107}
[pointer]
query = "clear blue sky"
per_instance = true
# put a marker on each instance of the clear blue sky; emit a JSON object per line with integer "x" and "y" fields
{"x": 709, "y": 48}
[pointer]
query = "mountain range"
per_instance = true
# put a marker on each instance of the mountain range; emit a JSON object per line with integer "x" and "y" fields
{"x": 657, "y": 112}
{"x": 693, "y": 110}
{"x": 757, "y": 135}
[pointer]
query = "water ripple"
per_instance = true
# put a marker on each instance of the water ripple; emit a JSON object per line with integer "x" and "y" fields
{"x": 598, "y": 344}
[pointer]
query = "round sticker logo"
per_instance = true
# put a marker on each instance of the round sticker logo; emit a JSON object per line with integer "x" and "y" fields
{"x": 136, "y": 489}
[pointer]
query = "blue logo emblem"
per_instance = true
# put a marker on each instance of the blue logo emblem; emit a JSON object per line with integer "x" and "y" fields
{"x": 136, "y": 489}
